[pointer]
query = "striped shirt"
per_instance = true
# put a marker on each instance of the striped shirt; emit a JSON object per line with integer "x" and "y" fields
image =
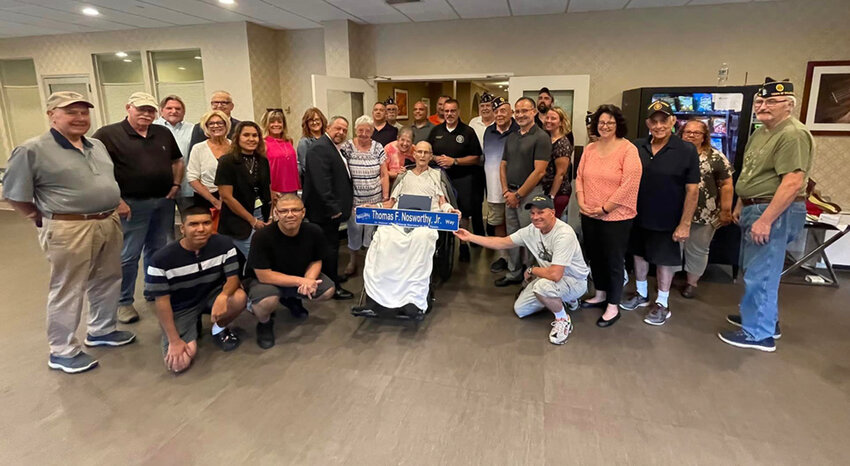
{"x": 188, "y": 278}
{"x": 365, "y": 168}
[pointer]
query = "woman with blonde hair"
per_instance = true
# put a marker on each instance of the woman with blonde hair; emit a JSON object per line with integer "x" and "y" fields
{"x": 203, "y": 160}
{"x": 313, "y": 126}
{"x": 556, "y": 180}
{"x": 283, "y": 162}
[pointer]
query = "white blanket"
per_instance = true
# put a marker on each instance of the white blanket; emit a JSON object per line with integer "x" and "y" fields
{"x": 398, "y": 266}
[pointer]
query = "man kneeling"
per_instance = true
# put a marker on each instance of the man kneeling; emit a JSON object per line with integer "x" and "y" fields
{"x": 285, "y": 266}
{"x": 199, "y": 273}
{"x": 561, "y": 275}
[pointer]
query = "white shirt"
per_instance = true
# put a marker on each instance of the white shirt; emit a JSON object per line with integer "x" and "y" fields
{"x": 478, "y": 125}
{"x": 559, "y": 246}
{"x": 428, "y": 184}
{"x": 202, "y": 166}
{"x": 182, "y": 132}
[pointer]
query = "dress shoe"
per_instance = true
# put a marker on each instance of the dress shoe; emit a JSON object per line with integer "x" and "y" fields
{"x": 505, "y": 281}
{"x": 607, "y": 323}
{"x": 500, "y": 265}
{"x": 342, "y": 293}
{"x": 599, "y": 305}
{"x": 689, "y": 291}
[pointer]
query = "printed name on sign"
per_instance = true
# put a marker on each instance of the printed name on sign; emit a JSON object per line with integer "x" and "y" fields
{"x": 407, "y": 218}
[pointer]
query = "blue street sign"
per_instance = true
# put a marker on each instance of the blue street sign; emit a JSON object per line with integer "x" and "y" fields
{"x": 407, "y": 218}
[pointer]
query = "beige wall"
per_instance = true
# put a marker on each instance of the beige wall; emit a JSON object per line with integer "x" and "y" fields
{"x": 300, "y": 54}
{"x": 224, "y": 48}
{"x": 265, "y": 70}
{"x": 641, "y": 47}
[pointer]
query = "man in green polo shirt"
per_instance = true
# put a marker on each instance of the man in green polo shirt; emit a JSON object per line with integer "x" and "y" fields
{"x": 771, "y": 211}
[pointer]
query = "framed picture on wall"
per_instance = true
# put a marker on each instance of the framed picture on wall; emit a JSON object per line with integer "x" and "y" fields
{"x": 825, "y": 109}
{"x": 427, "y": 102}
{"x": 400, "y": 96}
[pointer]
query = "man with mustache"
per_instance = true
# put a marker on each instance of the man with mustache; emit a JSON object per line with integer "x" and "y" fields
{"x": 149, "y": 168}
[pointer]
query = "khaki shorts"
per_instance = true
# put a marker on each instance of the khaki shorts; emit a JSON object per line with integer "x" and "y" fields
{"x": 495, "y": 213}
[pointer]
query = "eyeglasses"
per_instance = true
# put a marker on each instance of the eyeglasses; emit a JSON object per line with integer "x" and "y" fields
{"x": 288, "y": 211}
{"x": 768, "y": 102}
{"x": 607, "y": 123}
{"x": 315, "y": 120}
{"x": 220, "y": 103}
{"x": 693, "y": 133}
{"x": 215, "y": 123}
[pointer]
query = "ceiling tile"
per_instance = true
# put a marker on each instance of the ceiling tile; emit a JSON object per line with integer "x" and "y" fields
{"x": 370, "y": 11}
{"x": 577, "y": 6}
{"x": 96, "y": 24}
{"x": 60, "y": 27}
{"x": 72, "y": 8}
{"x": 147, "y": 10}
{"x": 315, "y": 10}
{"x": 428, "y": 10}
{"x": 537, "y": 7}
{"x": 655, "y": 3}
{"x": 209, "y": 11}
{"x": 481, "y": 8}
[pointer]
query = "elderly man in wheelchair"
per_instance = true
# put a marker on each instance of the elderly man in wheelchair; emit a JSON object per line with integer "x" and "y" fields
{"x": 399, "y": 263}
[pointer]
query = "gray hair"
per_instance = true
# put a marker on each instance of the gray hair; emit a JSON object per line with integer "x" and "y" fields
{"x": 337, "y": 117}
{"x": 405, "y": 130}
{"x": 793, "y": 100}
{"x": 364, "y": 120}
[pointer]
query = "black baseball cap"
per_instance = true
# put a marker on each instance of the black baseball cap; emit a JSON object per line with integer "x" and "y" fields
{"x": 541, "y": 202}
{"x": 660, "y": 106}
{"x": 544, "y": 90}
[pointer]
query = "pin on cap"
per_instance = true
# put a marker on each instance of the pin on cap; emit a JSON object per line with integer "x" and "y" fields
{"x": 660, "y": 106}
{"x": 541, "y": 202}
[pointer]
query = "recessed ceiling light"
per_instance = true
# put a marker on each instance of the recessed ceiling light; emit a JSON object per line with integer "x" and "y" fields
{"x": 127, "y": 60}
{"x": 181, "y": 68}
{"x": 89, "y": 11}
{"x": 120, "y": 54}
{"x": 227, "y": 2}
{"x": 197, "y": 57}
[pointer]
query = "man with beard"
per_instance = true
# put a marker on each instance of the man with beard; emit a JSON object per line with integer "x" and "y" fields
{"x": 545, "y": 102}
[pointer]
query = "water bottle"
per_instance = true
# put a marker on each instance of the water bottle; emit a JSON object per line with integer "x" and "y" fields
{"x": 722, "y": 74}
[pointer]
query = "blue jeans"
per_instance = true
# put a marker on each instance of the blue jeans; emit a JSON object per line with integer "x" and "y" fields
{"x": 244, "y": 245}
{"x": 148, "y": 227}
{"x": 763, "y": 267}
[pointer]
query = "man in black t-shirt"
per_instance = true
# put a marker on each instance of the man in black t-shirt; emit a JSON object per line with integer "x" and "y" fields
{"x": 285, "y": 266}
{"x": 457, "y": 150}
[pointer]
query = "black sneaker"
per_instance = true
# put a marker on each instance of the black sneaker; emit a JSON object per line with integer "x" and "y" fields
{"x": 736, "y": 321}
{"x": 463, "y": 254}
{"x": 500, "y": 265}
{"x": 265, "y": 334}
{"x": 507, "y": 281}
{"x": 226, "y": 340}
{"x": 296, "y": 308}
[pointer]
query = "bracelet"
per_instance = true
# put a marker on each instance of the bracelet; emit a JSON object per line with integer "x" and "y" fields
{"x": 175, "y": 184}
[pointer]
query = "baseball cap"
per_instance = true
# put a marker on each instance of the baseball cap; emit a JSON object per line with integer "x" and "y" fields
{"x": 541, "y": 202}
{"x": 63, "y": 99}
{"x": 660, "y": 106}
{"x": 142, "y": 99}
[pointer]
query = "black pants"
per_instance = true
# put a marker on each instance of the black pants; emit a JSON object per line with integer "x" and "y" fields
{"x": 330, "y": 264}
{"x": 605, "y": 245}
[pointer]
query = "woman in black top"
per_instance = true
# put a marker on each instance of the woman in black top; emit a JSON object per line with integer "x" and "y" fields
{"x": 244, "y": 183}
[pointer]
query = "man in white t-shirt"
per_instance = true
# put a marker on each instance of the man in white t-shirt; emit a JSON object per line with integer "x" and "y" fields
{"x": 561, "y": 274}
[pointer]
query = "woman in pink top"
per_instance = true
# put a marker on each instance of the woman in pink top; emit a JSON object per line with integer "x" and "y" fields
{"x": 283, "y": 162}
{"x": 607, "y": 185}
{"x": 399, "y": 152}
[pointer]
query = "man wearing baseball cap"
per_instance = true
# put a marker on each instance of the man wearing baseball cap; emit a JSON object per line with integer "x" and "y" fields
{"x": 64, "y": 183}
{"x": 148, "y": 167}
{"x": 667, "y": 198}
{"x": 771, "y": 211}
{"x": 560, "y": 274}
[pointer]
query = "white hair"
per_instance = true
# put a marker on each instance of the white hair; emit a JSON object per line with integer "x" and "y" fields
{"x": 793, "y": 100}
{"x": 364, "y": 120}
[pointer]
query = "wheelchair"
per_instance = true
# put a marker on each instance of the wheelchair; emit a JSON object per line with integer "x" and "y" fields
{"x": 443, "y": 265}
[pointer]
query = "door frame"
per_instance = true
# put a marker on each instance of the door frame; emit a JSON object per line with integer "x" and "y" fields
{"x": 321, "y": 84}
{"x": 579, "y": 84}
{"x": 82, "y": 78}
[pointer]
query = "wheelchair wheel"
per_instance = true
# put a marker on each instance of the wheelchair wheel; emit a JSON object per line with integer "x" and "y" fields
{"x": 445, "y": 259}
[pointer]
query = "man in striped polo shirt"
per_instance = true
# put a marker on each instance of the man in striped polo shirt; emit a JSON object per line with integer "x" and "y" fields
{"x": 197, "y": 274}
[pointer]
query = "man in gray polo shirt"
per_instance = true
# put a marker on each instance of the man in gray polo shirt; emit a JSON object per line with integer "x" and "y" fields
{"x": 64, "y": 183}
{"x": 421, "y": 125}
{"x": 524, "y": 161}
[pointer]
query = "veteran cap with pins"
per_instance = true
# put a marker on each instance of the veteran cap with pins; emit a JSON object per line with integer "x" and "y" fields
{"x": 498, "y": 102}
{"x": 660, "y": 106}
{"x": 774, "y": 88}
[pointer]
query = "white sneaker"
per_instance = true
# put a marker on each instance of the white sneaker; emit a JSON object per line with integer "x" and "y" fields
{"x": 561, "y": 330}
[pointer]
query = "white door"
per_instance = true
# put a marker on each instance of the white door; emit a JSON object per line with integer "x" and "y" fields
{"x": 348, "y": 97}
{"x": 572, "y": 93}
{"x": 76, "y": 83}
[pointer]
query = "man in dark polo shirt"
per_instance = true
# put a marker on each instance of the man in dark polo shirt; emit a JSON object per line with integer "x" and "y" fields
{"x": 384, "y": 133}
{"x": 524, "y": 160}
{"x": 421, "y": 125}
{"x": 220, "y": 100}
{"x": 667, "y": 198}
{"x": 392, "y": 113}
{"x": 456, "y": 150}
{"x": 64, "y": 183}
{"x": 149, "y": 168}
{"x": 285, "y": 267}
{"x": 771, "y": 211}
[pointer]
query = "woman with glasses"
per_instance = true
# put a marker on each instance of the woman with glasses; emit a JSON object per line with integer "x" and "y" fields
{"x": 714, "y": 206}
{"x": 556, "y": 180}
{"x": 367, "y": 163}
{"x": 203, "y": 160}
{"x": 607, "y": 184}
{"x": 244, "y": 184}
{"x": 313, "y": 126}
{"x": 283, "y": 162}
